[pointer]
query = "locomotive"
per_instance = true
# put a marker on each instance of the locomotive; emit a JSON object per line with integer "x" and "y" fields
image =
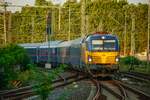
{"x": 98, "y": 51}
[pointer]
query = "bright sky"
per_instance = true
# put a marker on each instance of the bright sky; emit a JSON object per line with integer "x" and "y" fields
{"x": 137, "y": 1}
{"x": 31, "y": 2}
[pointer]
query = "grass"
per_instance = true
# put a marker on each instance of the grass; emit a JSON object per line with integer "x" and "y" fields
{"x": 136, "y": 68}
{"x": 131, "y": 63}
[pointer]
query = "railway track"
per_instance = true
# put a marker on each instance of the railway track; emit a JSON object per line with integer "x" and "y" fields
{"x": 137, "y": 76}
{"x": 24, "y": 92}
{"x": 114, "y": 89}
{"x": 118, "y": 89}
{"x": 141, "y": 95}
{"x": 122, "y": 91}
{"x": 97, "y": 94}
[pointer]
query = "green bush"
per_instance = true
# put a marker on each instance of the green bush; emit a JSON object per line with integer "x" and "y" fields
{"x": 11, "y": 57}
{"x": 130, "y": 60}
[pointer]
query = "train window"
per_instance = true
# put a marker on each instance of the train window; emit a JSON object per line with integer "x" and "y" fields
{"x": 97, "y": 42}
{"x": 31, "y": 51}
{"x": 53, "y": 51}
{"x": 43, "y": 52}
{"x": 109, "y": 44}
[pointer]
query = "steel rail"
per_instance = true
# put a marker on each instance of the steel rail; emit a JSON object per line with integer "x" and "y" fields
{"x": 121, "y": 88}
{"x": 28, "y": 90}
{"x": 142, "y": 95}
{"x": 120, "y": 96}
{"x": 97, "y": 95}
{"x": 138, "y": 76}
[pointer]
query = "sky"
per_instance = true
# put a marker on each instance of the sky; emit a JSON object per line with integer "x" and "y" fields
{"x": 137, "y": 1}
{"x": 31, "y": 2}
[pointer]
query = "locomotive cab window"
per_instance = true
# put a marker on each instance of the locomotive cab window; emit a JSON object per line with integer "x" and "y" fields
{"x": 109, "y": 44}
{"x": 106, "y": 45}
{"x": 97, "y": 44}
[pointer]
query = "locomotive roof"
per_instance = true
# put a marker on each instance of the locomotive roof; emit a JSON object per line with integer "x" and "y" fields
{"x": 101, "y": 32}
{"x": 100, "y": 35}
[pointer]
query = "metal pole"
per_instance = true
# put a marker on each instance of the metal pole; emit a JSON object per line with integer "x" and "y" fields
{"x": 32, "y": 29}
{"x": 133, "y": 36}
{"x": 5, "y": 29}
{"x": 83, "y": 27}
{"x": 87, "y": 23}
{"x": 9, "y": 27}
{"x": 69, "y": 24}
{"x": 49, "y": 30}
{"x": 53, "y": 22}
{"x": 125, "y": 33}
{"x": 59, "y": 18}
{"x": 148, "y": 35}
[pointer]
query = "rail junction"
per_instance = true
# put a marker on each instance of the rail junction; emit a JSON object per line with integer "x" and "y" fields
{"x": 96, "y": 39}
{"x": 105, "y": 89}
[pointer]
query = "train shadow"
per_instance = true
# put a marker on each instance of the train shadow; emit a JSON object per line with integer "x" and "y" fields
{"x": 104, "y": 78}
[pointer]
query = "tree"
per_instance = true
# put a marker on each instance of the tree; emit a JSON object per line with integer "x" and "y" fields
{"x": 42, "y": 2}
{"x": 12, "y": 56}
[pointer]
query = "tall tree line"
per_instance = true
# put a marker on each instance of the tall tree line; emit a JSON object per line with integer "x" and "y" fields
{"x": 101, "y": 15}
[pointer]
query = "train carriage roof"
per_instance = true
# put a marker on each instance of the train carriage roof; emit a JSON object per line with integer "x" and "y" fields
{"x": 30, "y": 45}
{"x": 53, "y": 44}
{"x": 69, "y": 43}
{"x": 107, "y": 36}
{"x": 64, "y": 44}
{"x": 40, "y": 45}
{"x": 77, "y": 41}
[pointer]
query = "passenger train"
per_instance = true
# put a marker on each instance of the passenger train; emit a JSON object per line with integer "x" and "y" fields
{"x": 97, "y": 51}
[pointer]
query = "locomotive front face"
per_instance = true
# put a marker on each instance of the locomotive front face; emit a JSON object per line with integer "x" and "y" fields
{"x": 101, "y": 49}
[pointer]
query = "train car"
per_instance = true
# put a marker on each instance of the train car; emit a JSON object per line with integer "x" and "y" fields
{"x": 32, "y": 50}
{"x": 75, "y": 54}
{"x": 97, "y": 51}
{"x": 46, "y": 49}
{"x": 38, "y": 52}
{"x": 63, "y": 54}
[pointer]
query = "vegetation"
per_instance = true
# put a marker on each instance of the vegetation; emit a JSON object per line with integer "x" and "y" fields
{"x": 43, "y": 80}
{"x": 131, "y": 63}
{"x": 29, "y": 25}
{"x": 15, "y": 65}
{"x": 12, "y": 58}
{"x": 130, "y": 60}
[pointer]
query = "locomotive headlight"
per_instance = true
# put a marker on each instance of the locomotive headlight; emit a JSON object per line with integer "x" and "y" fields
{"x": 103, "y": 37}
{"x": 89, "y": 58}
{"x": 117, "y": 59}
